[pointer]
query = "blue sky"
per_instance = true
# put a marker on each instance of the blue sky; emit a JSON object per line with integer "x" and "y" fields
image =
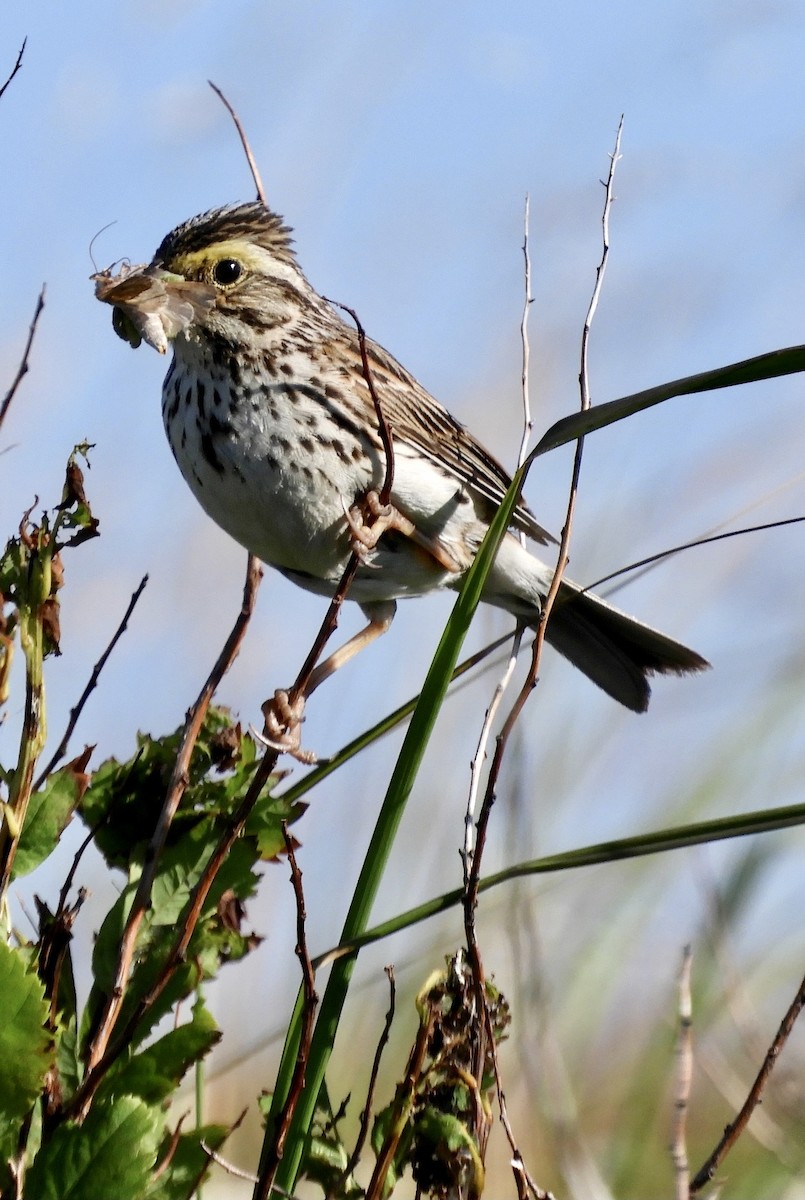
{"x": 400, "y": 139}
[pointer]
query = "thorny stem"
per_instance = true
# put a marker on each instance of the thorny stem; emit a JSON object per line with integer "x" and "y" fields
{"x": 99, "y": 1056}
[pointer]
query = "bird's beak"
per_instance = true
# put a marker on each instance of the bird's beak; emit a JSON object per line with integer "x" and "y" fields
{"x": 151, "y": 304}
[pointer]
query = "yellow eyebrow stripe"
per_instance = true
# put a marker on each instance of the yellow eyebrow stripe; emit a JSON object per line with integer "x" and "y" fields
{"x": 189, "y": 264}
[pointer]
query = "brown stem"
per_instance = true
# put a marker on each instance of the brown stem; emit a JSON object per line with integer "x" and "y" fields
{"x": 22, "y": 370}
{"x": 75, "y": 713}
{"x": 99, "y": 1048}
{"x": 735, "y": 1128}
{"x": 383, "y": 425}
{"x": 275, "y": 1151}
{"x": 366, "y": 1115}
{"x": 244, "y": 141}
{"x": 16, "y": 67}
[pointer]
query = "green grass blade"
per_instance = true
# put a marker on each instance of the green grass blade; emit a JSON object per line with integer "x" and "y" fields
{"x": 399, "y": 789}
{"x": 752, "y": 370}
{"x": 661, "y": 841}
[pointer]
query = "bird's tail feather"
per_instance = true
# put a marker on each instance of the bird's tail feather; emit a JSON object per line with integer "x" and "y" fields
{"x": 614, "y": 650}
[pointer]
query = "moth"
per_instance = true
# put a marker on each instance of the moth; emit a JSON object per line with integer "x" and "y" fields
{"x": 149, "y": 304}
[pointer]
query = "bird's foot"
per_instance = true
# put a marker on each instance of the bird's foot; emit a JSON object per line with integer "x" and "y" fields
{"x": 370, "y": 519}
{"x": 283, "y": 723}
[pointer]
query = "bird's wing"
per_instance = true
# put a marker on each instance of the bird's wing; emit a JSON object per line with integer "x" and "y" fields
{"x": 416, "y": 418}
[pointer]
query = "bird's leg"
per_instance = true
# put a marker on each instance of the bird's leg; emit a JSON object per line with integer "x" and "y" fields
{"x": 382, "y": 517}
{"x": 380, "y": 615}
{"x": 284, "y": 715}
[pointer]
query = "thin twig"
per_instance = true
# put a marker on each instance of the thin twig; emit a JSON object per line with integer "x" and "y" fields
{"x": 528, "y": 424}
{"x": 98, "y": 1051}
{"x": 479, "y": 758}
{"x": 404, "y": 1096}
{"x": 366, "y": 1115}
{"x": 735, "y": 1128}
{"x": 702, "y": 541}
{"x": 684, "y": 1078}
{"x": 523, "y": 1181}
{"x": 22, "y": 370}
{"x": 230, "y": 1168}
{"x": 244, "y": 141}
{"x": 470, "y": 893}
{"x": 268, "y": 1169}
{"x": 17, "y": 66}
{"x": 75, "y": 712}
{"x": 383, "y": 425}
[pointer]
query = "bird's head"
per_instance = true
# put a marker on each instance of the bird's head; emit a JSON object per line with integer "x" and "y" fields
{"x": 230, "y": 272}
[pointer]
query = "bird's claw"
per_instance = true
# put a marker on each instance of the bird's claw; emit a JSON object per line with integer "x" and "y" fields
{"x": 369, "y": 519}
{"x": 283, "y": 721}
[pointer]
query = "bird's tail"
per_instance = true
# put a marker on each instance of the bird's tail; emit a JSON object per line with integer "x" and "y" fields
{"x": 614, "y": 650}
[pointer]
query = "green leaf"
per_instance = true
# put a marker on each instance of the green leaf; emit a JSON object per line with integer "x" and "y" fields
{"x": 124, "y": 799}
{"x": 109, "y": 1157}
{"x": 154, "y": 1074}
{"x": 214, "y": 940}
{"x": 49, "y": 811}
{"x": 26, "y": 1045}
{"x": 68, "y": 1063}
{"x": 188, "y": 1164}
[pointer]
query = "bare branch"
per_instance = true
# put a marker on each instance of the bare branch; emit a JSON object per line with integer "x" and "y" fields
{"x": 528, "y": 424}
{"x": 301, "y": 687}
{"x": 230, "y": 1168}
{"x": 75, "y": 712}
{"x": 17, "y": 66}
{"x": 473, "y": 871}
{"x": 479, "y": 758}
{"x": 244, "y": 141}
{"x": 22, "y": 370}
{"x": 735, "y": 1128}
{"x": 523, "y": 1181}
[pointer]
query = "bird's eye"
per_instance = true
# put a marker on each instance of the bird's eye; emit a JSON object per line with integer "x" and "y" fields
{"x": 227, "y": 271}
